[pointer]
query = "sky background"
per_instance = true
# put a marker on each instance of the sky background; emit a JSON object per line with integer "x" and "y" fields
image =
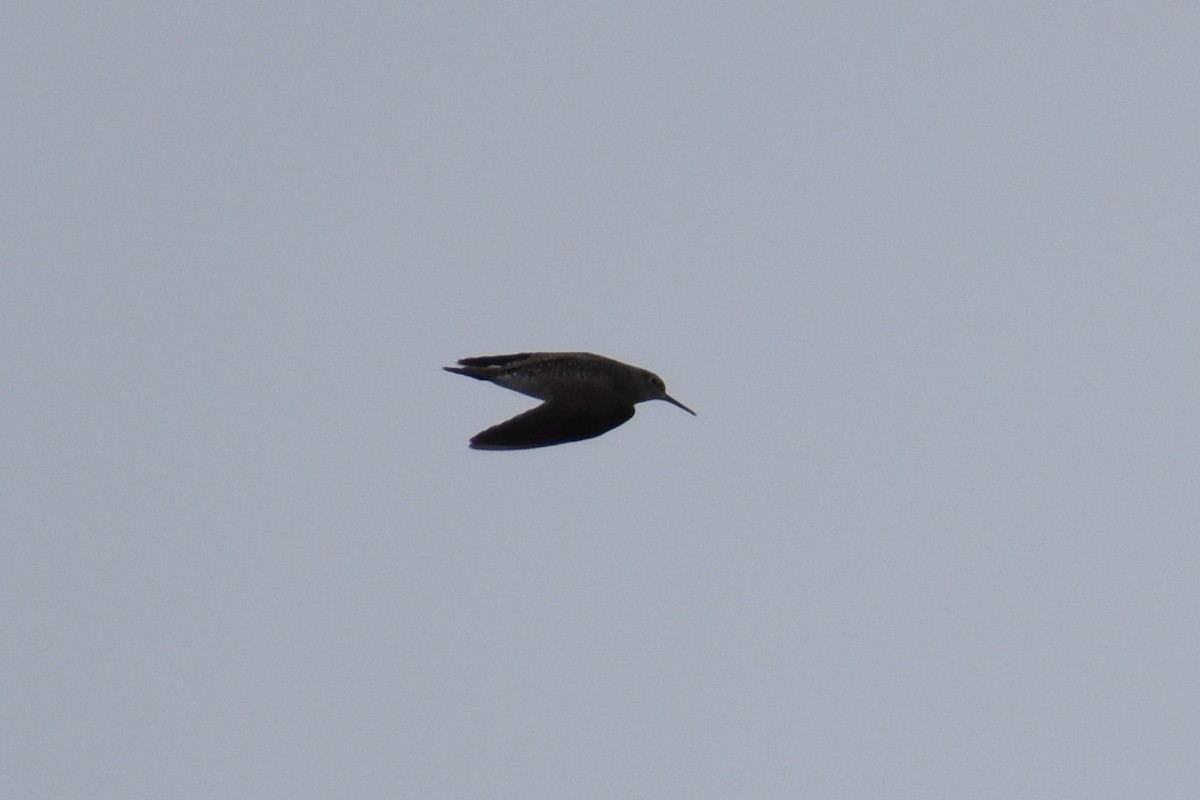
{"x": 929, "y": 274}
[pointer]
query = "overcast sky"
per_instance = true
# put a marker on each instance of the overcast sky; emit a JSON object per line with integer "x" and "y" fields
{"x": 929, "y": 275}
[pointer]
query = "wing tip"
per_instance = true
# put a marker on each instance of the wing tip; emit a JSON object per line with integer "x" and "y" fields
{"x": 492, "y": 361}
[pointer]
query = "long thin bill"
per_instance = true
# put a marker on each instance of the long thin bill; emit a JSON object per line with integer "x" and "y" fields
{"x": 675, "y": 402}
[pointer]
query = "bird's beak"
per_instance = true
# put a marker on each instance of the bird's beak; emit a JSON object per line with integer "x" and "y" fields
{"x": 675, "y": 402}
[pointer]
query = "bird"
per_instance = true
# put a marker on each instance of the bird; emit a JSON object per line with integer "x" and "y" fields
{"x": 583, "y": 394}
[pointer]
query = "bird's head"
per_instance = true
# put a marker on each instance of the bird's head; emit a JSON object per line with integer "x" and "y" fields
{"x": 651, "y": 387}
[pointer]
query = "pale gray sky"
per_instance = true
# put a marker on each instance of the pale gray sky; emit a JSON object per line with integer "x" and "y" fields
{"x": 928, "y": 274}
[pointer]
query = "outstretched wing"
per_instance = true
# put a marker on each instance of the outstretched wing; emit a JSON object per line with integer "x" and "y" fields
{"x": 556, "y": 421}
{"x": 492, "y": 361}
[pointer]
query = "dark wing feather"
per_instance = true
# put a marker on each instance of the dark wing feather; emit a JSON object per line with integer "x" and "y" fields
{"x": 493, "y": 361}
{"x": 554, "y": 422}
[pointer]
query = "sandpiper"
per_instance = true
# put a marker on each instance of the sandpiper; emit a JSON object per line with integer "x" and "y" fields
{"x": 584, "y": 395}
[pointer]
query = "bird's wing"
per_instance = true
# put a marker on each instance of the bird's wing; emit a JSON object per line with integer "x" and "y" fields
{"x": 558, "y": 420}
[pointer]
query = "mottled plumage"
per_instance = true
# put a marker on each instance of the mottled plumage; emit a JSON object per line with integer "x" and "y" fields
{"x": 584, "y": 395}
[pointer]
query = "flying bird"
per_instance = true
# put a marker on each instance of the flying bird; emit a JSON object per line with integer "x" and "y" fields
{"x": 584, "y": 395}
